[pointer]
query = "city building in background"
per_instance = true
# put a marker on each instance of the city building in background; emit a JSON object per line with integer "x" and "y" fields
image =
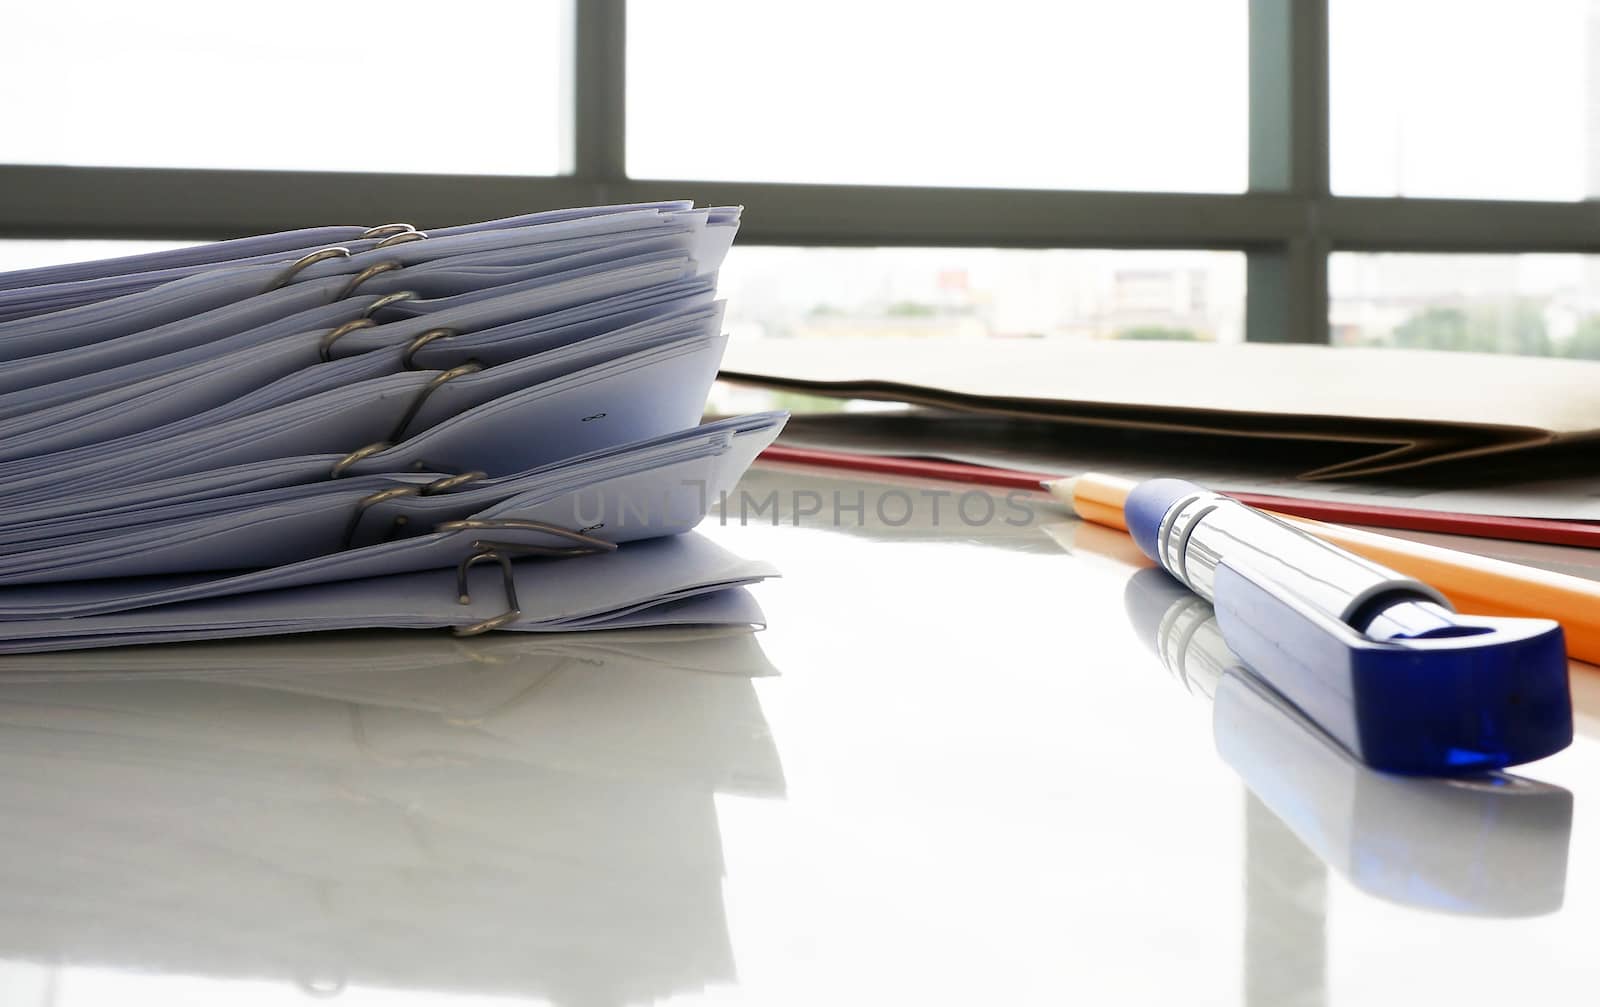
{"x": 1533, "y": 305}
{"x": 976, "y": 293}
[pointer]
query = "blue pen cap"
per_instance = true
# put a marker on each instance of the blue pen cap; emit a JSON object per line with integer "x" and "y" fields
{"x": 1147, "y": 506}
{"x": 1493, "y": 695}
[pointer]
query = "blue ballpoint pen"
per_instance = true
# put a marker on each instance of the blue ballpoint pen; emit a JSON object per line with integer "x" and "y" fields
{"x": 1486, "y": 844}
{"x": 1378, "y": 660}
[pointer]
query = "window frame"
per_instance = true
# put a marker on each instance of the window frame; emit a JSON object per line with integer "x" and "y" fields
{"x": 1286, "y": 223}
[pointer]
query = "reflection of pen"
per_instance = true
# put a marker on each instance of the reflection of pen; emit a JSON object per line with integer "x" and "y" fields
{"x": 1376, "y": 659}
{"x": 1489, "y": 844}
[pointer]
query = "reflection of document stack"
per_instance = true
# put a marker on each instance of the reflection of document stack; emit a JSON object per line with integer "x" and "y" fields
{"x": 310, "y": 430}
{"x": 526, "y": 816}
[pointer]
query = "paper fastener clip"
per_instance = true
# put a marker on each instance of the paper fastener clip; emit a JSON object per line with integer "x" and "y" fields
{"x": 503, "y": 552}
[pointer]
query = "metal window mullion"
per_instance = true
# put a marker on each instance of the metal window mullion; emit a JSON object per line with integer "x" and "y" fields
{"x": 1287, "y": 280}
{"x": 599, "y": 92}
{"x": 52, "y": 201}
{"x": 56, "y": 201}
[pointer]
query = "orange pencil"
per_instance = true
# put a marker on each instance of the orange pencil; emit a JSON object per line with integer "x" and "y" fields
{"x": 1474, "y": 584}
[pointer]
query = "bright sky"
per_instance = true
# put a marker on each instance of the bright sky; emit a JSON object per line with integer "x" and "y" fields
{"x": 1466, "y": 98}
{"x": 1128, "y": 95}
{"x": 357, "y": 85}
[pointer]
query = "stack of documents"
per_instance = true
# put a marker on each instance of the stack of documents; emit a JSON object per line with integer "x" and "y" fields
{"x": 345, "y": 427}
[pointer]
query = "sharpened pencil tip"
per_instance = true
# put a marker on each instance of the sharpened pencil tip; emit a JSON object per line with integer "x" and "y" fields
{"x": 1062, "y": 490}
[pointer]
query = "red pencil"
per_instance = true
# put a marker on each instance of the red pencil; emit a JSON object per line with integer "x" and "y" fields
{"x": 1516, "y": 529}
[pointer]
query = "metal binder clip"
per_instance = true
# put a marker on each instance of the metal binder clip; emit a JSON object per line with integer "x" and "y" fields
{"x": 501, "y": 552}
{"x": 449, "y": 483}
{"x": 365, "y": 275}
{"x": 386, "y": 300}
{"x": 406, "y": 359}
{"x": 439, "y": 485}
{"x": 402, "y": 238}
{"x": 469, "y": 367}
{"x": 325, "y": 347}
{"x": 310, "y": 258}
{"x": 378, "y": 498}
{"x": 343, "y": 465}
{"x": 385, "y": 230}
{"x": 428, "y": 489}
{"x": 586, "y": 543}
{"x": 513, "y": 610}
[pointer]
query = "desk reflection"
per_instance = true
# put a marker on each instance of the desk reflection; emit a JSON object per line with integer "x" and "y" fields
{"x": 1492, "y": 844}
{"x": 515, "y": 815}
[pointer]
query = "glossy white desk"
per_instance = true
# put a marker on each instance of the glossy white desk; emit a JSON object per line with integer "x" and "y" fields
{"x": 969, "y": 782}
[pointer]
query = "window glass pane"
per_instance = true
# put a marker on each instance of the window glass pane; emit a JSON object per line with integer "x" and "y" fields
{"x": 397, "y": 86}
{"x": 972, "y": 295}
{"x": 1537, "y": 305}
{"x": 982, "y": 293}
{"x": 1446, "y": 98}
{"x": 1133, "y": 95}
